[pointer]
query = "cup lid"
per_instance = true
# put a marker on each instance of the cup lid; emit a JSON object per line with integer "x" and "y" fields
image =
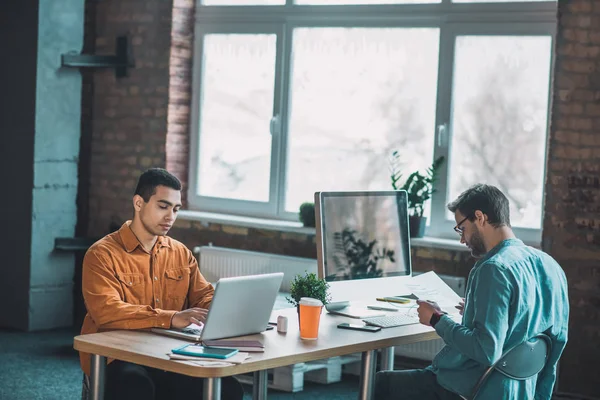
{"x": 309, "y": 301}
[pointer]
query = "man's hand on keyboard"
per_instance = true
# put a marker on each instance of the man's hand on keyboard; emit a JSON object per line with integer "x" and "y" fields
{"x": 190, "y": 316}
{"x": 426, "y": 310}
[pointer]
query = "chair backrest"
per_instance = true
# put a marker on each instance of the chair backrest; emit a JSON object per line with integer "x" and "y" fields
{"x": 522, "y": 362}
{"x": 525, "y": 360}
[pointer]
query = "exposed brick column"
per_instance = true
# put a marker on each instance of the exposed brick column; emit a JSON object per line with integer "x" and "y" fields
{"x": 572, "y": 211}
{"x": 130, "y": 114}
{"x": 180, "y": 87}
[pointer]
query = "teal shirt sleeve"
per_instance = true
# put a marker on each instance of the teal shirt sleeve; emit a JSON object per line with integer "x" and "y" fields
{"x": 484, "y": 340}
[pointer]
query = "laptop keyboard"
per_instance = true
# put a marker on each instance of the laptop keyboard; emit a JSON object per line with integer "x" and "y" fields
{"x": 192, "y": 331}
{"x": 392, "y": 320}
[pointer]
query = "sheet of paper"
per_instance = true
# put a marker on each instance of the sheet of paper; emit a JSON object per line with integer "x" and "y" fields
{"x": 429, "y": 286}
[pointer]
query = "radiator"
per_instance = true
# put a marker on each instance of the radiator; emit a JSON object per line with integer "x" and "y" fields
{"x": 221, "y": 262}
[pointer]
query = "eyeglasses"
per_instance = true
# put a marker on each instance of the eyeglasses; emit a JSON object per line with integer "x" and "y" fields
{"x": 458, "y": 228}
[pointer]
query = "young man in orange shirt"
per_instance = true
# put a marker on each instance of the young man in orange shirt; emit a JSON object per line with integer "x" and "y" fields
{"x": 137, "y": 278}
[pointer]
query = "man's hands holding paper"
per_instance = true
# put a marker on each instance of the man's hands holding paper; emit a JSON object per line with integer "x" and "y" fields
{"x": 184, "y": 318}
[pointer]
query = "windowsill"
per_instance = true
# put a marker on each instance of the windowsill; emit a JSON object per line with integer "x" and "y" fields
{"x": 296, "y": 227}
{"x": 246, "y": 222}
{"x": 438, "y": 243}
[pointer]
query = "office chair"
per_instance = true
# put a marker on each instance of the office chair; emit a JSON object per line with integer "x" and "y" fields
{"x": 522, "y": 362}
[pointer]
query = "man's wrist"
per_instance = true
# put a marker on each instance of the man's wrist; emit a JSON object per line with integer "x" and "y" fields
{"x": 435, "y": 318}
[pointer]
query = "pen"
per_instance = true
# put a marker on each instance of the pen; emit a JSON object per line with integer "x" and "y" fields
{"x": 393, "y": 300}
{"x": 381, "y": 308}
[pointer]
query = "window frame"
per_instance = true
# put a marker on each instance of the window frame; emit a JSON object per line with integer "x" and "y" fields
{"x": 452, "y": 20}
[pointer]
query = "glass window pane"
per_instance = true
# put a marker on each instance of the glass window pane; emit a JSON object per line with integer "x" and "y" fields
{"x": 358, "y": 94}
{"x": 242, "y": 2}
{"x": 500, "y": 112}
{"x": 346, "y": 2}
{"x": 236, "y": 108}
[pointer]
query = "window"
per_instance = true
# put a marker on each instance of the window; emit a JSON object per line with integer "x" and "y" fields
{"x": 308, "y": 95}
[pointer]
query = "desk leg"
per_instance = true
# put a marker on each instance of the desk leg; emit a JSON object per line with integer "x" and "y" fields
{"x": 259, "y": 385}
{"x": 367, "y": 375}
{"x": 211, "y": 389}
{"x": 387, "y": 359}
{"x": 97, "y": 377}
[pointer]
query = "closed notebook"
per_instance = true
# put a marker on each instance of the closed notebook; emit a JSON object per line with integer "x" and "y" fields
{"x": 251, "y": 346}
{"x": 202, "y": 351}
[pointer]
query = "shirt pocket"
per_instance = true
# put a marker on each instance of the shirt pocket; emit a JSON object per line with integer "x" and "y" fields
{"x": 133, "y": 288}
{"x": 177, "y": 282}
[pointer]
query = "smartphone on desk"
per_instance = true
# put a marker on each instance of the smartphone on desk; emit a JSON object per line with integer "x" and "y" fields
{"x": 357, "y": 327}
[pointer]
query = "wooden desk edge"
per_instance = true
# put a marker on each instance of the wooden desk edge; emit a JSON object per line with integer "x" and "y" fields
{"x": 186, "y": 368}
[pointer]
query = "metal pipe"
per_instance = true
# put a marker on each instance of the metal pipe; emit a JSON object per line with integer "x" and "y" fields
{"x": 387, "y": 359}
{"x": 367, "y": 375}
{"x": 259, "y": 387}
{"x": 211, "y": 389}
{"x": 98, "y": 368}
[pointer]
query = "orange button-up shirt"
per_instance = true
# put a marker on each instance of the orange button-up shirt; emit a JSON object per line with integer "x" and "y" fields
{"x": 127, "y": 287}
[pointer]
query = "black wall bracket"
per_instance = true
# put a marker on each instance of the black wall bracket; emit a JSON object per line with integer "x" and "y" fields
{"x": 121, "y": 61}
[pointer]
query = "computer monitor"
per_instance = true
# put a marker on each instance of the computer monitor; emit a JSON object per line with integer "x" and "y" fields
{"x": 362, "y": 235}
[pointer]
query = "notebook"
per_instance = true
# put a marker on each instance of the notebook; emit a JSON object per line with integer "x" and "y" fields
{"x": 250, "y": 346}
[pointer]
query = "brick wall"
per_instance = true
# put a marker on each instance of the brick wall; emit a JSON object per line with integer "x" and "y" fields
{"x": 572, "y": 211}
{"x": 130, "y": 114}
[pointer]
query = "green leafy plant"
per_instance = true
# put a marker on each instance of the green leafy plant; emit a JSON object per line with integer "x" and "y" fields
{"x": 307, "y": 214}
{"x": 308, "y": 285}
{"x": 419, "y": 186}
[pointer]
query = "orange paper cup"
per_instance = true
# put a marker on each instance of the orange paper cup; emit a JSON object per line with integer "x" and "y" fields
{"x": 310, "y": 316}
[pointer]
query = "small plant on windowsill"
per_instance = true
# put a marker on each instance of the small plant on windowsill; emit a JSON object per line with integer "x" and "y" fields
{"x": 308, "y": 285}
{"x": 419, "y": 188}
{"x": 307, "y": 214}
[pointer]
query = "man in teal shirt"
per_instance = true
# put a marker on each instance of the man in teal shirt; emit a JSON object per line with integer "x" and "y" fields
{"x": 514, "y": 292}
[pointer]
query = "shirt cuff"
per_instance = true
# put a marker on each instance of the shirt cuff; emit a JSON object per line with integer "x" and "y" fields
{"x": 164, "y": 318}
{"x": 444, "y": 324}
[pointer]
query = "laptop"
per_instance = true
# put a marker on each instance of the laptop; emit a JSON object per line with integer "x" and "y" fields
{"x": 241, "y": 306}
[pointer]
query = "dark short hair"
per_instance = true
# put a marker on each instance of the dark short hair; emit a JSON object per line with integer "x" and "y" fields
{"x": 152, "y": 178}
{"x": 486, "y": 198}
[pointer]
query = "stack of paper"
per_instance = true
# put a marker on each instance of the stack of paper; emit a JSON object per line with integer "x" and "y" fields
{"x": 238, "y": 358}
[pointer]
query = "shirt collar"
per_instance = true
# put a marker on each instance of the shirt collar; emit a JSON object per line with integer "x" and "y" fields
{"x": 501, "y": 245}
{"x": 131, "y": 242}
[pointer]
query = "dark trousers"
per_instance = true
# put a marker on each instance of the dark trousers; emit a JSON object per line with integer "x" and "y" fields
{"x": 414, "y": 384}
{"x": 126, "y": 381}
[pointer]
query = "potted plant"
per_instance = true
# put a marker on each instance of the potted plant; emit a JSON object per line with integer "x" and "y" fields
{"x": 308, "y": 285}
{"x": 419, "y": 187}
{"x": 307, "y": 214}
